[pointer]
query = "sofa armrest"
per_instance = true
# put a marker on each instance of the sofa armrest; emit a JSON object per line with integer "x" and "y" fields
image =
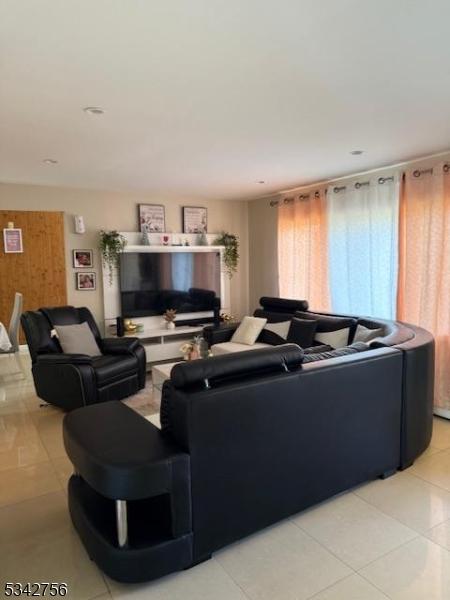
{"x": 219, "y": 335}
{"x": 123, "y": 345}
{"x": 123, "y": 456}
{"x": 63, "y": 359}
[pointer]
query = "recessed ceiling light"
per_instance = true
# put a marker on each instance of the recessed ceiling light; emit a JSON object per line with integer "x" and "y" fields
{"x": 50, "y": 161}
{"x": 356, "y": 152}
{"x": 93, "y": 110}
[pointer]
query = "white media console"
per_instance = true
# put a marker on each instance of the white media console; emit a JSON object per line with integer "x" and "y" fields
{"x": 162, "y": 344}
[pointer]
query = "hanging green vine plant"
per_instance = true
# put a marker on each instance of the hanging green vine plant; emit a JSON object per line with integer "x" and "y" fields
{"x": 231, "y": 253}
{"x": 111, "y": 245}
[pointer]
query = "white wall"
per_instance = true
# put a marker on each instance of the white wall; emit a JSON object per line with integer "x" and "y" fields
{"x": 115, "y": 210}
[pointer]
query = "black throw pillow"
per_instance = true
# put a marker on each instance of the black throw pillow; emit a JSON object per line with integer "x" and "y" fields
{"x": 270, "y": 337}
{"x": 302, "y": 332}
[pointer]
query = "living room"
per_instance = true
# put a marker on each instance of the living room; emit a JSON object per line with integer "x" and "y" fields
{"x": 224, "y": 311}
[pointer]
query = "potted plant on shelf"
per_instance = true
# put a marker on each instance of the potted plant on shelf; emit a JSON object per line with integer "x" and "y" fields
{"x": 169, "y": 317}
{"x": 111, "y": 245}
{"x": 231, "y": 253}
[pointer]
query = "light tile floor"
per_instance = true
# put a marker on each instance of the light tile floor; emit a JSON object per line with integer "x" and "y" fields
{"x": 384, "y": 539}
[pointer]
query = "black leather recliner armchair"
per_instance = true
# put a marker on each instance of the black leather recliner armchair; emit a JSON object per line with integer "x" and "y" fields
{"x": 74, "y": 380}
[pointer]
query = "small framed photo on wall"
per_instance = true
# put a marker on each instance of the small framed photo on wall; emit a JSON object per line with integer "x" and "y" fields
{"x": 12, "y": 239}
{"x": 152, "y": 218}
{"x": 83, "y": 259}
{"x": 195, "y": 219}
{"x": 86, "y": 282}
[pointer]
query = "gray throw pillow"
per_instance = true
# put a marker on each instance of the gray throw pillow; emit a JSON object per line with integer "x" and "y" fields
{"x": 77, "y": 339}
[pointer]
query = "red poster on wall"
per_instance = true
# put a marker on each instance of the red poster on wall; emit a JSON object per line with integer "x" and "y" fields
{"x": 13, "y": 240}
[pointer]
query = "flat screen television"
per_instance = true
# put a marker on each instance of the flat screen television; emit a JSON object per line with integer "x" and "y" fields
{"x": 152, "y": 282}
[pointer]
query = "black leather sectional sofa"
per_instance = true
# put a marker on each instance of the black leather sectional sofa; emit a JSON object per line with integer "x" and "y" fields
{"x": 247, "y": 439}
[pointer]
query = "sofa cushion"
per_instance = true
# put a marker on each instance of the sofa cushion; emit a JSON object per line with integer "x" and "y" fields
{"x": 342, "y": 327}
{"x": 77, "y": 339}
{"x": 229, "y": 347}
{"x": 302, "y": 332}
{"x": 249, "y": 330}
{"x": 275, "y": 334}
{"x": 113, "y": 366}
{"x": 353, "y": 349}
{"x": 318, "y": 349}
{"x": 366, "y": 334}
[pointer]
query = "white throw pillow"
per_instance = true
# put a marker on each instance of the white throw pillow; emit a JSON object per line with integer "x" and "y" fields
{"x": 364, "y": 334}
{"x": 77, "y": 339}
{"x": 248, "y": 331}
{"x": 335, "y": 339}
{"x": 281, "y": 329}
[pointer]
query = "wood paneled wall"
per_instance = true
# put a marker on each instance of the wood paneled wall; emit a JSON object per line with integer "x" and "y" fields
{"x": 39, "y": 273}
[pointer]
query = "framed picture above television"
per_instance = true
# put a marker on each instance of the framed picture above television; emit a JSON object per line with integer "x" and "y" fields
{"x": 195, "y": 219}
{"x": 152, "y": 218}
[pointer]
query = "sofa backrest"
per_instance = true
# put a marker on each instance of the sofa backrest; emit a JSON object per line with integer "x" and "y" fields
{"x": 276, "y": 310}
{"x": 219, "y": 369}
{"x": 71, "y": 315}
{"x": 267, "y": 446}
{"x": 38, "y": 334}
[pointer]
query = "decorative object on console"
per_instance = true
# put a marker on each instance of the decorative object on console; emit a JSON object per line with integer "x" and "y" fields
{"x": 111, "y": 246}
{"x": 83, "y": 259}
{"x": 231, "y": 254}
{"x": 145, "y": 239}
{"x": 12, "y": 238}
{"x": 130, "y": 327}
{"x": 226, "y": 318}
{"x": 86, "y": 282}
{"x": 169, "y": 317}
{"x": 120, "y": 329}
{"x": 202, "y": 239}
{"x": 195, "y": 219}
{"x": 152, "y": 218}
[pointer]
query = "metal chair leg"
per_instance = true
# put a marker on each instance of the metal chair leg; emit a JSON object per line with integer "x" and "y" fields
{"x": 122, "y": 523}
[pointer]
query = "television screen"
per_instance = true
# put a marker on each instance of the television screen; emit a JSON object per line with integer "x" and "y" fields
{"x": 152, "y": 282}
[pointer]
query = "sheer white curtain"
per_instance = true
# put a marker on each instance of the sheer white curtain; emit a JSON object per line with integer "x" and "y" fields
{"x": 363, "y": 246}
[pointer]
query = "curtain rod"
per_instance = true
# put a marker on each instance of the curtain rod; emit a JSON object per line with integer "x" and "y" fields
{"x": 336, "y": 190}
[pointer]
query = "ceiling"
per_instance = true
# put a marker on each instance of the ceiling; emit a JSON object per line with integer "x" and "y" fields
{"x": 204, "y": 98}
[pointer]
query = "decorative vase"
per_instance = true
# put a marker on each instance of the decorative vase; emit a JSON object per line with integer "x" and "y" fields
{"x": 170, "y": 325}
{"x": 145, "y": 238}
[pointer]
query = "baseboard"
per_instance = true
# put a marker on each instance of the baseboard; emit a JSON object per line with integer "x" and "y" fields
{"x": 442, "y": 412}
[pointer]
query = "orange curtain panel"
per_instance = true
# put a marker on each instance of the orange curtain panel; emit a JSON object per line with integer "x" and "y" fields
{"x": 302, "y": 250}
{"x": 424, "y": 269}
